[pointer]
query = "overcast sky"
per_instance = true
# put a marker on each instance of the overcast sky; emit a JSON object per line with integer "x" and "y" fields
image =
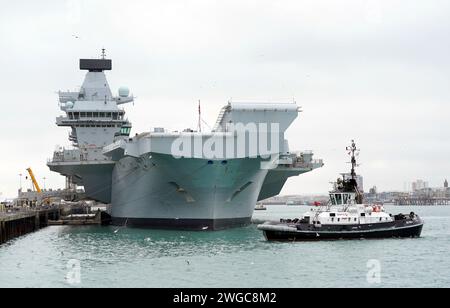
{"x": 373, "y": 70}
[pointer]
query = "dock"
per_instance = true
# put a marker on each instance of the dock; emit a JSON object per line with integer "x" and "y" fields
{"x": 19, "y": 223}
{"x": 99, "y": 218}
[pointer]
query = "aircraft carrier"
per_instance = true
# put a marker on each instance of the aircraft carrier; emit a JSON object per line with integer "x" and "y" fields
{"x": 181, "y": 180}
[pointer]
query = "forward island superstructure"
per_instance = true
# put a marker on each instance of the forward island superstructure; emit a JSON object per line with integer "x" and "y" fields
{"x": 96, "y": 120}
{"x": 188, "y": 179}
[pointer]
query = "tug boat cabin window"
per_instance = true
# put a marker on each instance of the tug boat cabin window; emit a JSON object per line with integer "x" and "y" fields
{"x": 339, "y": 199}
{"x": 345, "y": 198}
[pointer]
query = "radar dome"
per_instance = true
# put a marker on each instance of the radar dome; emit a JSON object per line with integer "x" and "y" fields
{"x": 124, "y": 92}
{"x": 69, "y": 105}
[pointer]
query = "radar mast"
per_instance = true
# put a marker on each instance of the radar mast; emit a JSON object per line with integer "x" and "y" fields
{"x": 353, "y": 152}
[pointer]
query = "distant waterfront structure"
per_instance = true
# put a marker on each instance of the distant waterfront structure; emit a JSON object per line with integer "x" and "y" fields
{"x": 419, "y": 185}
{"x": 446, "y": 189}
{"x": 418, "y": 193}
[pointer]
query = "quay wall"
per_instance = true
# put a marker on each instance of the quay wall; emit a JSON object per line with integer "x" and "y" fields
{"x": 21, "y": 223}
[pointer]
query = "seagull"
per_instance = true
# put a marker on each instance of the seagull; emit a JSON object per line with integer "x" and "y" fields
{"x": 75, "y": 36}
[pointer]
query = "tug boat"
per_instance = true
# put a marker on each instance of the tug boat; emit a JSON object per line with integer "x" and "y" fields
{"x": 345, "y": 216}
{"x": 260, "y": 207}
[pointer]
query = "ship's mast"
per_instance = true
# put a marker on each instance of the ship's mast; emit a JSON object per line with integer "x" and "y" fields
{"x": 353, "y": 151}
{"x": 199, "y": 117}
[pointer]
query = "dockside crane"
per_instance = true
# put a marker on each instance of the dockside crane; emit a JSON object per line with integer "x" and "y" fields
{"x": 33, "y": 179}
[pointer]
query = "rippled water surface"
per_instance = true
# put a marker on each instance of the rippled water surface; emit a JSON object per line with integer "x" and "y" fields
{"x": 231, "y": 258}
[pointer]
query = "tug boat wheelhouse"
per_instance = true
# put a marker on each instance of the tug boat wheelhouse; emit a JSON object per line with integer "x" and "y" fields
{"x": 344, "y": 217}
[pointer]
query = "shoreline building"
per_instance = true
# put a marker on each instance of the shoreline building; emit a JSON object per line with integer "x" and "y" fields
{"x": 419, "y": 185}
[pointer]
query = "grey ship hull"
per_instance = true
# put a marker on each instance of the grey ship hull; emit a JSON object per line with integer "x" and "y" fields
{"x": 147, "y": 186}
{"x": 197, "y": 194}
{"x": 182, "y": 224}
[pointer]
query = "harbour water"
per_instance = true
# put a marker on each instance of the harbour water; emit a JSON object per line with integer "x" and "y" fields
{"x": 126, "y": 257}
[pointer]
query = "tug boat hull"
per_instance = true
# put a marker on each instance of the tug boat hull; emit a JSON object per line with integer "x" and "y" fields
{"x": 285, "y": 232}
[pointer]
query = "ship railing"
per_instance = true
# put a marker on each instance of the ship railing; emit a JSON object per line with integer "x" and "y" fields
{"x": 308, "y": 164}
{"x": 299, "y": 160}
{"x": 75, "y": 155}
{"x": 90, "y": 120}
{"x": 68, "y": 96}
{"x": 317, "y": 162}
{"x": 285, "y": 160}
{"x": 217, "y": 125}
{"x": 64, "y": 155}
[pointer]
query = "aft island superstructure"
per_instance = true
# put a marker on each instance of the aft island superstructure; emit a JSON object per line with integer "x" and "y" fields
{"x": 188, "y": 179}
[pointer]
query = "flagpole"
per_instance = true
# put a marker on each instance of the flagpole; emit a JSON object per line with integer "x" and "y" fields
{"x": 199, "y": 117}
